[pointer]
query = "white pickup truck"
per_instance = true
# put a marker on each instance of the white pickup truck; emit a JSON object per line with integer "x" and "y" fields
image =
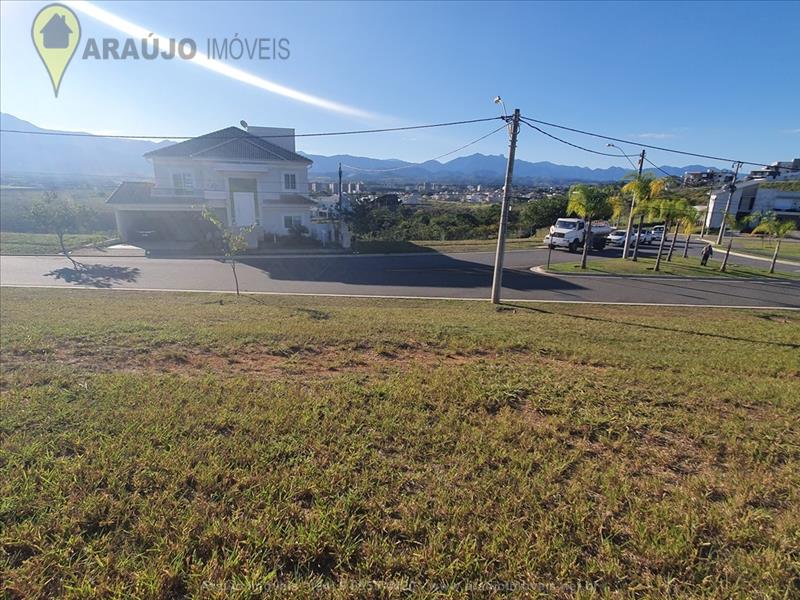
{"x": 571, "y": 234}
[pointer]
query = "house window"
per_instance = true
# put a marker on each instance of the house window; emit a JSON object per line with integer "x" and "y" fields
{"x": 289, "y": 181}
{"x": 182, "y": 182}
{"x": 290, "y": 221}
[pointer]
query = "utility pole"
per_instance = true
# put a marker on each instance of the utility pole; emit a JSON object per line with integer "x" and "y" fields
{"x": 627, "y": 244}
{"x": 497, "y": 280}
{"x": 340, "y": 186}
{"x": 731, "y": 189}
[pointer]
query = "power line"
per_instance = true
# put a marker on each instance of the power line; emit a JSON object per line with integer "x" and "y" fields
{"x": 263, "y": 137}
{"x": 467, "y": 145}
{"x": 614, "y": 139}
{"x": 659, "y": 168}
{"x": 550, "y": 135}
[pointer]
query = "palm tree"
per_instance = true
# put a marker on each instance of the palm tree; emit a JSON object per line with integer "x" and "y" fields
{"x": 777, "y": 229}
{"x": 688, "y": 223}
{"x": 684, "y": 209}
{"x": 644, "y": 189}
{"x": 587, "y": 202}
{"x": 618, "y": 208}
{"x": 667, "y": 210}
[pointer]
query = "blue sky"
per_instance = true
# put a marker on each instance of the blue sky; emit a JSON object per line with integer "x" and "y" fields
{"x": 716, "y": 78}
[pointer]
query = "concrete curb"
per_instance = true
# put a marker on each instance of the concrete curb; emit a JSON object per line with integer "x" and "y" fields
{"x": 540, "y": 270}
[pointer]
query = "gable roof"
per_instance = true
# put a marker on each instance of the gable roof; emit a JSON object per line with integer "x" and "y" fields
{"x": 230, "y": 143}
{"x": 140, "y": 192}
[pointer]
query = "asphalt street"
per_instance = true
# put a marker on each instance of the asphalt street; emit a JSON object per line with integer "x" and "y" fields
{"x": 429, "y": 275}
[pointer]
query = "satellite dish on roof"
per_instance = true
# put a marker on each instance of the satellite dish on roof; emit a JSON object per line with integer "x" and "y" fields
{"x": 243, "y": 123}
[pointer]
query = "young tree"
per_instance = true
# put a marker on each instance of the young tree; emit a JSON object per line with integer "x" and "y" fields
{"x": 587, "y": 202}
{"x": 231, "y": 242}
{"x": 667, "y": 210}
{"x": 687, "y": 225}
{"x": 645, "y": 190}
{"x": 684, "y": 211}
{"x": 52, "y": 214}
{"x": 776, "y": 229}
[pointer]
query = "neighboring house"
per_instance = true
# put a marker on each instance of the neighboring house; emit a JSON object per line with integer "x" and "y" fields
{"x": 252, "y": 179}
{"x": 56, "y": 32}
{"x": 775, "y": 188}
{"x": 700, "y": 178}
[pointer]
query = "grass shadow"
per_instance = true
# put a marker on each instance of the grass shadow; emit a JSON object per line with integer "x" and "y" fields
{"x": 721, "y": 336}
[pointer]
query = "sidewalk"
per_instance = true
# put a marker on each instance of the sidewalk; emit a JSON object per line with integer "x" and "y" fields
{"x": 780, "y": 261}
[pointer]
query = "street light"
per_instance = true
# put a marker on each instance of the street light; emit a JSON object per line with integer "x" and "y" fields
{"x": 610, "y": 145}
{"x": 499, "y": 100}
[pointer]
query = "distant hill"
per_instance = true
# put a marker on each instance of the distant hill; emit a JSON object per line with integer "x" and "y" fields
{"x": 54, "y": 154}
{"x": 114, "y": 157}
{"x": 473, "y": 168}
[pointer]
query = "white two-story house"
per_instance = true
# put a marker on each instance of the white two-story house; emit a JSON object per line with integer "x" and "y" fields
{"x": 249, "y": 178}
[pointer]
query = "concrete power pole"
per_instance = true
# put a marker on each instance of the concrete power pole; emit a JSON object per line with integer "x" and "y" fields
{"x": 731, "y": 189}
{"x": 497, "y": 280}
{"x": 627, "y": 244}
{"x": 340, "y": 186}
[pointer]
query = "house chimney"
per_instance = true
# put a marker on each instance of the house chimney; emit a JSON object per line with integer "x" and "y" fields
{"x": 280, "y": 136}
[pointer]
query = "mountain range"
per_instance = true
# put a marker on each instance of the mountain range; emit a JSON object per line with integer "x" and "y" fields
{"x": 95, "y": 156}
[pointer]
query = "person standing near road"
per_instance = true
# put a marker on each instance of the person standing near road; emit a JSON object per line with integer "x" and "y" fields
{"x": 705, "y": 254}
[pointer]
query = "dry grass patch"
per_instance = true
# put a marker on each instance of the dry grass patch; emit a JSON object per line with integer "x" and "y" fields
{"x": 167, "y": 445}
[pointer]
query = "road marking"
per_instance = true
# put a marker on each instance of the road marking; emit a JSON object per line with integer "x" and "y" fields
{"x": 540, "y": 270}
{"x": 397, "y": 297}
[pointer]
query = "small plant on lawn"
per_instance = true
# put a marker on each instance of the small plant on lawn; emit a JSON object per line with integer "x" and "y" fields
{"x": 686, "y": 219}
{"x": 56, "y": 215}
{"x": 231, "y": 242}
{"x": 688, "y": 223}
{"x": 777, "y": 229}
{"x": 587, "y": 202}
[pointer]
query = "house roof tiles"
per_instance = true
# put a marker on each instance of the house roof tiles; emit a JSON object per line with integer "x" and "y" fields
{"x": 232, "y": 144}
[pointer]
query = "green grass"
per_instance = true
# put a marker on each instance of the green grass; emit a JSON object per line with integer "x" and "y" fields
{"x": 168, "y": 445}
{"x": 44, "y": 243}
{"x": 382, "y": 246}
{"x": 790, "y": 249}
{"x": 679, "y": 266}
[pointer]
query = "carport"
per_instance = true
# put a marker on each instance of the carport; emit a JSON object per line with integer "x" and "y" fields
{"x": 158, "y": 225}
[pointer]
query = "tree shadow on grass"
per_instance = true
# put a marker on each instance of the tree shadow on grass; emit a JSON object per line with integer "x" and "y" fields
{"x": 99, "y": 276}
{"x": 721, "y": 336}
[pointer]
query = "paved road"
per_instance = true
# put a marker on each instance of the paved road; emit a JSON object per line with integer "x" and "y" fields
{"x": 462, "y": 275}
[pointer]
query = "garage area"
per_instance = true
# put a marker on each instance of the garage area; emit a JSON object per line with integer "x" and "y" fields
{"x": 163, "y": 225}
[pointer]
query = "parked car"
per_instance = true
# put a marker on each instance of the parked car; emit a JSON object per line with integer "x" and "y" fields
{"x": 617, "y": 237}
{"x": 645, "y": 237}
{"x": 658, "y": 233}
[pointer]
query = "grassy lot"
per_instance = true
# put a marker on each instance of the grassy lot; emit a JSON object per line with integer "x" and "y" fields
{"x": 790, "y": 249}
{"x": 380, "y": 246}
{"x": 686, "y": 267}
{"x": 162, "y": 445}
{"x": 44, "y": 243}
